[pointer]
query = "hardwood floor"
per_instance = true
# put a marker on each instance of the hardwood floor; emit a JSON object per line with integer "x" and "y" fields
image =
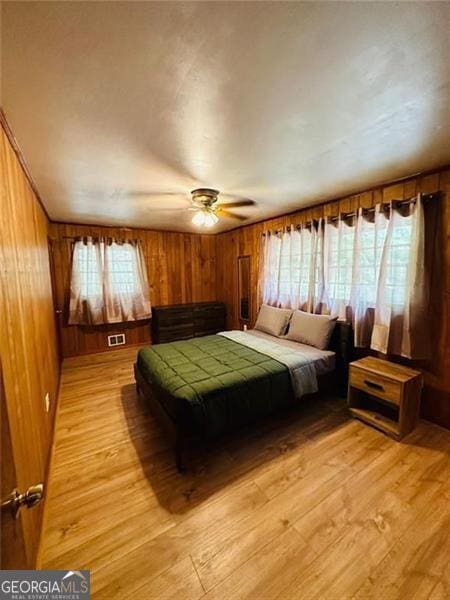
{"x": 315, "y": 505}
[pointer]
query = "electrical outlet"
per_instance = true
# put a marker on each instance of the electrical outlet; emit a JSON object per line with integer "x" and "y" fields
{"x": 47, "y": 402}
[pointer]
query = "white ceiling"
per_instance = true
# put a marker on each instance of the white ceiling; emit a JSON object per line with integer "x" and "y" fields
{"x": 284, "y": 103}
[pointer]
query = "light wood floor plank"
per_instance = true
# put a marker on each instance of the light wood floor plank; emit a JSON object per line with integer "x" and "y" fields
{"x": 418, "y": 565}
{"x": 179, "y": 582}
{"x": 268, "y": 572}
{"x": 340, "y": 510}
{"x": 340, "y": 570}
{"x": 311, "y": 505}
{"x": 224, "y": 554}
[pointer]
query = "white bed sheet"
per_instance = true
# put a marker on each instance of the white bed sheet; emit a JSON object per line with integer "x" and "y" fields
{"x": 324, "y": 360}
{"x": 304, "y": 362}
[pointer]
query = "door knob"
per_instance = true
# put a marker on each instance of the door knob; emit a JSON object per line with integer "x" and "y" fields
{"x": 16, "y": 500}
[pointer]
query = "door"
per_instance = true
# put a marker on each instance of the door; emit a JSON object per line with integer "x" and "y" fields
{"x": 29, "y": 361}
{"x": 12, "y": 552}
{"x": 58, "y": 310}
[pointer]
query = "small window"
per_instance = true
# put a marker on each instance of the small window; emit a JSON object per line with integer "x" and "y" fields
{"x": 109, "y": 283}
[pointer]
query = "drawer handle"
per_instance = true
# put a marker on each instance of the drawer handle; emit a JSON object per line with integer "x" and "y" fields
{"x": 375, "y": 386}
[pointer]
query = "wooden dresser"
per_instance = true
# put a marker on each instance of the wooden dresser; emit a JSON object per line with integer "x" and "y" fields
{"x": 184, "y": 321}
{"x": 385, "y": 395}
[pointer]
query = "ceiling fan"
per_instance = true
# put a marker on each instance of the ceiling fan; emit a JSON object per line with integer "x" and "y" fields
{"x": 207, "y": 210}
{"x": 203, "y": 202}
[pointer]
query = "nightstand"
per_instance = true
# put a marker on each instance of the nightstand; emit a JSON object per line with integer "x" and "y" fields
{"x": 385, "y": 395}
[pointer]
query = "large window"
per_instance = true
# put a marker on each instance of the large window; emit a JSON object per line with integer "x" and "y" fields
{"x": 369, "y": 268}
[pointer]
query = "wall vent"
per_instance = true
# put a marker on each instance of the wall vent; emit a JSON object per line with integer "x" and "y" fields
{"x": 116, "y": 340}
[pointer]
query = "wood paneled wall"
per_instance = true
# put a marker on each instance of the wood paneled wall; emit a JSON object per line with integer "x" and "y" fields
{"x": 247, "y": 240}
{"x": 181, "y": 269}
{"x": 29, "y": 358}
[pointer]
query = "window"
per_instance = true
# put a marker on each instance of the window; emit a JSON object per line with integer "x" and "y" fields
{"x": 87, "y": 265}
{"x": 370, "y": 237}
{"x": 109, "y": 282}
{"x": 122, "y": 275}
{"x": 293, "y": 273}
{"x": 340, "y": 241}
{"x": 124, "y": 278}
{"x": 370, "y": 269}
{"x": 397, "y": 259}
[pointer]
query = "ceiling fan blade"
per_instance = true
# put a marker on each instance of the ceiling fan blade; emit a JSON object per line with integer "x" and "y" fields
{"x": 232, "y": 215}
{"x": 159, "y": 209}
{"x": 238, "y": 203}
{"x": 138, "y": 194}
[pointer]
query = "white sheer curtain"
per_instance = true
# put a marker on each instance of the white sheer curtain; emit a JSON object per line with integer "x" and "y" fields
{"x": 402, "y": 296}
{"x": 109, "y": 282}
{"x": 291, "y": 275}
{"x": 339, "y": 243}
{"x": 369, "y": 270}
{"x": 270, "y": 269}
{"x": 370, "y": 234}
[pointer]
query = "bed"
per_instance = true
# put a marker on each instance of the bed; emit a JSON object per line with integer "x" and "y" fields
{"x": 202, "y": 388}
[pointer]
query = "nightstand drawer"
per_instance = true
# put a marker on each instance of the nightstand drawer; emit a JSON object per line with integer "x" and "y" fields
{"x": 375, "y": 384}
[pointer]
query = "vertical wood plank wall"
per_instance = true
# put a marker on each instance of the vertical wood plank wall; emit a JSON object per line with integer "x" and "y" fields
{"x": 247, "y": 240}
{"x": 30, "y": 363}
{"x": 181, "y": 268}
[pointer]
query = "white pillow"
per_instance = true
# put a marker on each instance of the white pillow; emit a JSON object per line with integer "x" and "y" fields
{"x": 314, "y": 330}
{"x": 273, "y": 320}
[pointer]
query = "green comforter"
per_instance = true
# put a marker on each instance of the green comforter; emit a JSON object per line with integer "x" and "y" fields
{"x": 214, "y": 383}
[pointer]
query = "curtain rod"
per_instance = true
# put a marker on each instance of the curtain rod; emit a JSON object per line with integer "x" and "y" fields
{"x": 98, "y": 237}
{"x": 385, "y": 206}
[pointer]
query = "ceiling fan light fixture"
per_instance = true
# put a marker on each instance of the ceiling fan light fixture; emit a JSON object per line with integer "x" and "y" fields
{"x": 205, "y": 218}
{"x": 210, "y": 219}
{"x": 199, "y": 218}
{"x": 204, "y": 205}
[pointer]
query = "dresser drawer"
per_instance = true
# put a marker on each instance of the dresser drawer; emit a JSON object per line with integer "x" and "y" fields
{"x": 209, "y": 312}
{"x": 207, "y": 323}
{"x": 172, "y": 316}
{"x": 377, "y": 385}
{"x": 176, "y": 332}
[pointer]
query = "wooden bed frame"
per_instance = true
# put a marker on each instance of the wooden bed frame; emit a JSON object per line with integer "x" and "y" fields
{"x": 182, "y": 436}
